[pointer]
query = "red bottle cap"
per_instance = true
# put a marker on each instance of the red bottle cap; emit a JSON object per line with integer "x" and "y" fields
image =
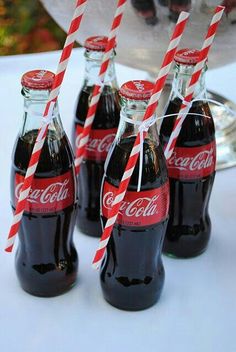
{"x": 137, "y": 90}
{"x": 187, "y": 56}
{"x": 96, "y": 43}
{"x": 38, "y": 79}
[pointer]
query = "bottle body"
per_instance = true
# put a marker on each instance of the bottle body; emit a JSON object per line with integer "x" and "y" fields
{"x": 191, "y": 169}
{"x": 46, "y": 260}
{"x": 191, "y": 173}
{"x": 103, "y": 132}
{"x": 132, "y": 274}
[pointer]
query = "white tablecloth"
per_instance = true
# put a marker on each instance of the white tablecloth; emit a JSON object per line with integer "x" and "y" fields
{"x": 197, "y": 310}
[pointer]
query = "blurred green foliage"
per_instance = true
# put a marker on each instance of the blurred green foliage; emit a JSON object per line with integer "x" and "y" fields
{"x": 25, "y": 27}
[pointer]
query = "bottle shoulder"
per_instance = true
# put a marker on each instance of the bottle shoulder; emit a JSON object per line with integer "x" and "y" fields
{"x": 197, "y": 129}
{"x": 56, "y": 156}
{"x": 154, "y": 171}
{"x": 108, "y": 109}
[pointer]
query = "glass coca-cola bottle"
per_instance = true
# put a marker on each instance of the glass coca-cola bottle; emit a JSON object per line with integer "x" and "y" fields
{"x": 191, "y": 166}
{"x": 46, "y": 259}
{"x": 146, "y": 9}
{"x": 132, "y": 274}
{"x": 176, "y": 6}
{"x": 103, "y": 132}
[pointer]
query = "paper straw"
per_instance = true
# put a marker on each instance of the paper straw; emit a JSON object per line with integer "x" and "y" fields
{"x": 97, "y": 90}
{"x": 61, "y": 69}
{"x": 186, "y": 103}
{"x": 152, "y": 105}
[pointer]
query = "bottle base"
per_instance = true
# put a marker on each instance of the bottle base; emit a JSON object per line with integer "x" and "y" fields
{"x": 132, "y": 298}
{"x": 131, "y": 308}
{"x": 49, "y": 284}
{"x": 51, "y": 294}
{"x": 181, "y": 255}
{"x": 186, "y": 242}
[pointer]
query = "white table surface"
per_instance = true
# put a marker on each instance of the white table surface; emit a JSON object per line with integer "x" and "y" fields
{"x": 197, "y": 309}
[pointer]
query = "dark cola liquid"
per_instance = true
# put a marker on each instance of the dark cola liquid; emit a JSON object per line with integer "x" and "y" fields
{"x": 46, "y": 259}
{"x": 189, "y": 225}
{"x": 132, "y": 274}
{"x": 91, "y": 171}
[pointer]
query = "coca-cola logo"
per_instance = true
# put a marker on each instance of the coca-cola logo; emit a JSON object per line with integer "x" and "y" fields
{"x": 139, "y": 85}
{"x": 192, "y": 162}
{"x": 97, "y": 144}
{"x": 138, "y": 207}
{"x": 54, "y": 192}
{"x": 48, "y": 194}
{"x": 39, "y": 75}
{"x": 202, "y": 160}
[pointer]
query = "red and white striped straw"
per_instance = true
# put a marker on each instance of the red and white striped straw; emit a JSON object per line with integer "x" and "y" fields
{"x": 61, "y": 69}
{"x": 194, "y": 80}
{"x": 152, "y": 105}
{"x": 97, "y": 90}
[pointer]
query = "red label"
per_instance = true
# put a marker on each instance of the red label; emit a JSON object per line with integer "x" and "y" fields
{"x": 192, "y": 163}
{"x": 48, "y": 195}
{"x": 138, "y": 208}
{"x": 98, "y": 144}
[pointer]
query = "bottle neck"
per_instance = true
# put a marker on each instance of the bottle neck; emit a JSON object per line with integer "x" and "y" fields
{"x": 181, "y": 80}
{"x": 34, "y": 105}
{"x": 92, "y": 68}
{"x": 132, "y": 114}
